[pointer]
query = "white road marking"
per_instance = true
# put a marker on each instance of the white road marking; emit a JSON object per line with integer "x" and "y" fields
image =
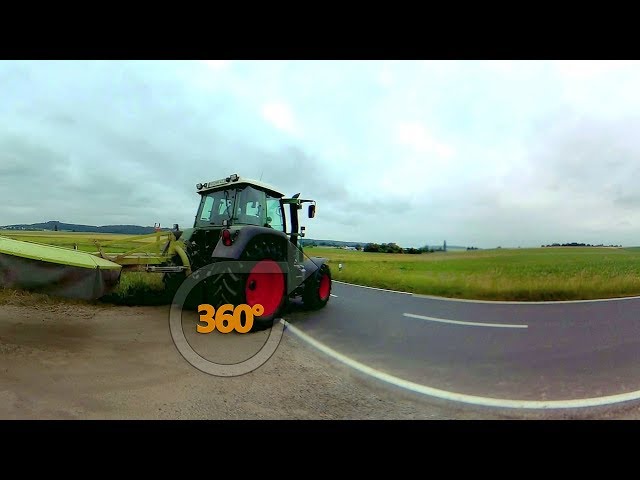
{"x": 513, "y": 302}
{"x": 333, "y": 295}
{"x": 374, "y": 288}
{"x": 461, "y": 397}
{"x": 495, "y": 302}
{"x": 459, "y": 322}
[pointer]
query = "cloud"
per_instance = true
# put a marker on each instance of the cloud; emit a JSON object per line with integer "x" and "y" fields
{"x": 415, "y": 136}
{"x": 477, "y": 153}
{"x": 279, "y": 114}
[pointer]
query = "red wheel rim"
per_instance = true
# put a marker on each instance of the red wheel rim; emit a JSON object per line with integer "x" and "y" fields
{"x": 325, "y": 287}
{"x": 265, "y": 285}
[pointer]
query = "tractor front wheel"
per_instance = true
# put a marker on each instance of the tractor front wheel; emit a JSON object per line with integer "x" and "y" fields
{"x": 317, "y": 289}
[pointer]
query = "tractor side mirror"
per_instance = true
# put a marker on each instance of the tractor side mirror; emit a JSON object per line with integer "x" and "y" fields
{"x": 312, "y": 211}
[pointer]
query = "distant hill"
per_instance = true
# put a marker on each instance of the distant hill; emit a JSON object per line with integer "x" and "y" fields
{"x": 72, "y": 227}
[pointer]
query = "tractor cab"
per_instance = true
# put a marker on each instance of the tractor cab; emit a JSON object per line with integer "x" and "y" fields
{"x": 239, "y": 201}
{"x": 235, "y": 201}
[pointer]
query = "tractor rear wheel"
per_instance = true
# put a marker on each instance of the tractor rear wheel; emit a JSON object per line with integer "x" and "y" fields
{"x": 317, "y": 289}
{"x": 264, "y": 284}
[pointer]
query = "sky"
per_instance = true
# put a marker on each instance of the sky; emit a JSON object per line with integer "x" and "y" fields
{"x": 477, "y": 153}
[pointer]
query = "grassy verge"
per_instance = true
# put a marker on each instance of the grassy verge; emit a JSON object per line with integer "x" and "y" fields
{"x": 139, "y": 288}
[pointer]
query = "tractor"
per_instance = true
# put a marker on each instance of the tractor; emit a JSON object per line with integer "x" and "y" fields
{"x": 253, "y": 231}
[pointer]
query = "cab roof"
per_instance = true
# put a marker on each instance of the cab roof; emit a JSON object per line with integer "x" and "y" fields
{"x": 235, "y": 180}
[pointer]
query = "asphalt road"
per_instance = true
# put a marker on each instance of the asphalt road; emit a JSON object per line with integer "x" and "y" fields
{"x": 531, "y": 352}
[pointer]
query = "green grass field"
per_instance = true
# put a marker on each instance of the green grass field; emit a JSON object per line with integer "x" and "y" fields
{"x": 563, "y": 273}
{"x": 85, "y": 241}
{"x": 506, "y": 274}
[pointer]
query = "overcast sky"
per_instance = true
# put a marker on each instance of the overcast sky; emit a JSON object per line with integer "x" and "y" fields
{"x": 480, "y": 153}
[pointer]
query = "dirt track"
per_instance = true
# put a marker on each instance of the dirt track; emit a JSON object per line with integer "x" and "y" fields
{"x": 66, "y": 361}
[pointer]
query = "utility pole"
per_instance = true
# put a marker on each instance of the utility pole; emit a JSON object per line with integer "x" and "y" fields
{"x": 445, "y": 246}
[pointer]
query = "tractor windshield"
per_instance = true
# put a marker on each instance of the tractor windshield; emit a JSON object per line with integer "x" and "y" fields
{"x": 245, "y": 205}
{"x": 215, "y": 207}
{"x": 257, "y": 207}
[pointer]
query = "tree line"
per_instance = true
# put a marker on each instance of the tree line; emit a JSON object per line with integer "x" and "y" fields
{"x": 575, "y": 244}
{"x": 384, "y": 247}
{"x": 395, "y": 248}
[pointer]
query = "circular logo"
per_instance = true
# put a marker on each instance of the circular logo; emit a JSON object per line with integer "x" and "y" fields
{"x": 180, "y": 340}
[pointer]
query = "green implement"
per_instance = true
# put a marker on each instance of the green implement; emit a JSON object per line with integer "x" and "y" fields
{"x": 56, "y": 270}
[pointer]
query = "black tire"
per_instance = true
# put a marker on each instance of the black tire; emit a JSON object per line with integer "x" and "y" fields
{"x": 230, "y": 287}
{"x": 311, "y": 297}
{"x": 172, "y": 282}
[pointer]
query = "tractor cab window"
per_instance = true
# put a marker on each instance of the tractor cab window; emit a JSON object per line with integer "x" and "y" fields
{"x": 275, "y": 218}
{"x": 256, "y": 207}
{"x": 215, "y": 207}
{"x": 207, "y": 206}
{"x": 250, "y": 207}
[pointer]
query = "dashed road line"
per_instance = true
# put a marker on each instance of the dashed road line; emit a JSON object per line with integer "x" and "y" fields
{"x": 459, "y": 322}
